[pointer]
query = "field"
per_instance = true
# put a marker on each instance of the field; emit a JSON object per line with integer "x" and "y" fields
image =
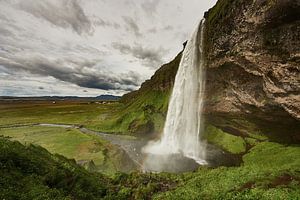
{"x": 88, "y": 150}
{"x": 268, "y": 170}
{"x": 62, "y": 112}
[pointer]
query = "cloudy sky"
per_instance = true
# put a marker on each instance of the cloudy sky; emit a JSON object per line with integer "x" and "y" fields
{"x": 89, "y": 47}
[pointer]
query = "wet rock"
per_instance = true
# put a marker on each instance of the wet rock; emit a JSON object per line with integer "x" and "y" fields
{"x": 253, "y": 67}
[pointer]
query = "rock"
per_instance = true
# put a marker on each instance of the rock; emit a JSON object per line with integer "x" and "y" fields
{"x": 253, "y": 65}
{"x": 252, "y": 52}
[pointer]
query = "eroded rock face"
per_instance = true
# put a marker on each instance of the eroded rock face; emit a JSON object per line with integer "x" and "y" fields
{"x": 253, "y": 66}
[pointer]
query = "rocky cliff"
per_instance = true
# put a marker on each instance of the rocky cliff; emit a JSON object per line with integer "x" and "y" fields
{"x": 145, "y": 109}
{"x": 252, "y": 73}
{"x": 253, "y": 65}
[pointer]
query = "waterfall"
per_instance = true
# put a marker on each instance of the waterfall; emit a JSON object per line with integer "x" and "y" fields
{"x": 182, "y": 129}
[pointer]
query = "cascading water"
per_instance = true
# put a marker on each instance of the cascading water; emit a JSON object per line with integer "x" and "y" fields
{"x": 183, "y": 124}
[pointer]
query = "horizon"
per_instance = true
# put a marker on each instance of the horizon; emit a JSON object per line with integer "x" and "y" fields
{"x": 60, "y": 96}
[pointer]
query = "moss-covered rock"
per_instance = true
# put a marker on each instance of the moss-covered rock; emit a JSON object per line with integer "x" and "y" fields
{"x": 230, "y": 143}
{"x": 144, "y": 110}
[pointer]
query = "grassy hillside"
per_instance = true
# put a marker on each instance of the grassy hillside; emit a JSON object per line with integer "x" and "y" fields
{"x": 144, "y": 111}
{"x": 31, "y": 172}
{"x": 90, "y": 151}
{"x": 269, "y": 171}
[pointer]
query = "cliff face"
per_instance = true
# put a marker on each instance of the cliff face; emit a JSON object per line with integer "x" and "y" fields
{"x": 253, "y": 65}
{"x": 145, "y": 109}
{"x": 252, "y": 76}
{"x": 162, "y": 81}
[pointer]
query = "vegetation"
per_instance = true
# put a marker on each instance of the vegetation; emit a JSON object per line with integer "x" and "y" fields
{"x": 226, "y": 141}
{"x": 30, "y": 172}
{"x": 145, "y": 110}
{"x": 33, "y": 173}
{"x": 63, "y": 112}
{"x": 219, "y": 11}
{"x": 269, "y": 171}
{"x": 141, "y": 116}
{"x": 91, "y": 151}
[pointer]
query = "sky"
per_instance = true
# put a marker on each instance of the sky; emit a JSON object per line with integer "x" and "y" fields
{"x": 90, "y": 47}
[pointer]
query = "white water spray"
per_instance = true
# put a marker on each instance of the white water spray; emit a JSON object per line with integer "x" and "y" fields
{"x": 183, "y": 124}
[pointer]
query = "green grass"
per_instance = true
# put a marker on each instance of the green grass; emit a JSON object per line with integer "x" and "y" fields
{"x": 270, "y": 171}
{"x": 111, "y": 118}
{"x": 30, "y": 172}
{"x": 70, "y": 143}
{"x": 137, "y": 116}
{"x": 226, "y": 141}
{"x": 219, "y": 11}
{"x": 78, "y": 113}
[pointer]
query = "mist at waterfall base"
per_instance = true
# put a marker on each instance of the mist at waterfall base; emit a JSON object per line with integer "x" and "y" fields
{"x": 180, "y": 148}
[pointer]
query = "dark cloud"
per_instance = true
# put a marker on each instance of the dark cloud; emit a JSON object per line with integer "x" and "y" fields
{"x": 150, "y": 6}
{"x": 81, "y": 75}
{"x": 132, "y": 26}
{"x": 151, "y": 58}
{"x": 62, "y": 13}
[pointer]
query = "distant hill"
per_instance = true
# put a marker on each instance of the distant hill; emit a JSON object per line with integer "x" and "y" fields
{"x": 57, "y": 98}
{"x": 108, "y": 98}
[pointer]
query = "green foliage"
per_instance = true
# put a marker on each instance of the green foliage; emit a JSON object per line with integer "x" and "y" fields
{"x": 219, "y": 11}
{"x": 98, "y": 154}
{"x": 273, "y": 156}
{"x": 226, "y": 141}
{"x": 144, "y": 110}
{"x": 270, "y": 171}
{"x": 30, "y": 172}
{"x": 33, "y": 173}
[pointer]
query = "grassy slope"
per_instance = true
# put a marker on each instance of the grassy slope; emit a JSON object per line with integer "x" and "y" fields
{"x": 136, "y": 117}
{"x": 33, "y": 173}
{"x": 144, "y": 111}
{"x": 92, "y": 151}
{"x": 30, "y": 172}
{"x": 225, "y": 141}
{"x": 270, "y": 171}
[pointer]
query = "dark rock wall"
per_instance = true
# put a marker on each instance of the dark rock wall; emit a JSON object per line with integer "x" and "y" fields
{"x": 252, "y": 76}
{"x": 253, "y": 64}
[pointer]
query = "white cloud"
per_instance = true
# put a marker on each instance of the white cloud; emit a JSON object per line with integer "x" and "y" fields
{"x": 79, "y": 44}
